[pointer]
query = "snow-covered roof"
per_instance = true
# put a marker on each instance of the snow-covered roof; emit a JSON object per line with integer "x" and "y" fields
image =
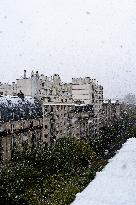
{"x": 111, "y": 101}
{"x": 15, "y": 108}
{"x": 116, "y": 184}
{"x": 15, "y": 100}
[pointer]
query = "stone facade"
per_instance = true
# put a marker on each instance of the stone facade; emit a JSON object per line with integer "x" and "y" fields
{"x": 86, "y": 90}
{"x": 29, "y": 86}
{"x": 40, "y": 86}
{"x": 66, "y": 119}
{"x": 89, "y": 92}
{"x": 20, "y": 124}
{"x": 81, "y": 119}
{"x": 52, "y": 87}
{"x": 8, "y": 89}
{"x": 111, "y": 110}
{"x": 56, "y": 120}
{"x": 16, "y": 134}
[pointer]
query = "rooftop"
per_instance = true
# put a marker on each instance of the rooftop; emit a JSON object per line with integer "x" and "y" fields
{"x": 15, "y": 108}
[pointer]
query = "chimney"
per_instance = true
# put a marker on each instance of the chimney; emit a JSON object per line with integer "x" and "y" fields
{"x": 37, "y": 74}
{"x": 24, "y": 74}
{"x": 32, "y": 74}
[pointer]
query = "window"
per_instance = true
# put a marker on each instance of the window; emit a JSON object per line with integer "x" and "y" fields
{"x": 51, "y": 108}
{"x": 45, "y": 136}
{"x": 45, "y": 109}
{"x": 46, "y": 126}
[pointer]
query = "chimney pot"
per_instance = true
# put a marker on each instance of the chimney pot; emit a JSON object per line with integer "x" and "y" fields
{"x": 24, "y": 74}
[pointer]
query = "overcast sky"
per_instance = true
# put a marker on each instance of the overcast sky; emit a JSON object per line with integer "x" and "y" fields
{"x": 73, "y": 38}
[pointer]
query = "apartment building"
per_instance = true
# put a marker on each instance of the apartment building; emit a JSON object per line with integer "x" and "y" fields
{"x": 86, "y": 90}
{"x": 20, "y": 124}
{"x": 8, "y": 89}
{"x": 66, "y": 118}
{"x": 39, "y": 86}
{"x": 110, "y": 110}
{"x": 29, "y": 86}
{"x": 89, "y": 92}
{"x": 65, "y": 109}
{"x": 81, "y": 121}
{"x": 56, "y": 120}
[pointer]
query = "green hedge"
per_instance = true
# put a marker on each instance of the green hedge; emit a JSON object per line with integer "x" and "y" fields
{"x": 50, "y": 175}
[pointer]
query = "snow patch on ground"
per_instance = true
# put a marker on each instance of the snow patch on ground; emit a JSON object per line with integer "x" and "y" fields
{"x": 116, "y": 184}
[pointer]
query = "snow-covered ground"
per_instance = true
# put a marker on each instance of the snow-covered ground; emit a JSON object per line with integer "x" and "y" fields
{"x": 116, "y": 184}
